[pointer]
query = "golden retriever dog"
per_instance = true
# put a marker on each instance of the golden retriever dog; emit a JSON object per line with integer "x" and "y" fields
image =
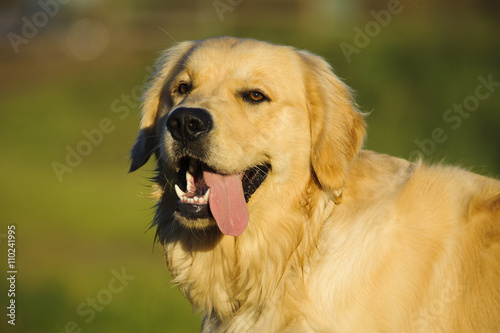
{"x": 273, "y": 219}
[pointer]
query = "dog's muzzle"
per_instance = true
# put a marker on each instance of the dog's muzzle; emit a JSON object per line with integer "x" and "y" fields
{"x": 203, "y": 191}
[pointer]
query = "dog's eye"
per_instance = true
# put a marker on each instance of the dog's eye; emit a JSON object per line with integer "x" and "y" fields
{"x": 254, "y": 96}
{"x": 183, "y": 88}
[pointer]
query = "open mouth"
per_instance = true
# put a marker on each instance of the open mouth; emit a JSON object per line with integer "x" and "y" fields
{"x": 204, "y": 193}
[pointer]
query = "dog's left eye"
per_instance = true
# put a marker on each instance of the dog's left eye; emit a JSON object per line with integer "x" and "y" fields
{"x": 254, "y": 96}
{"x": 183, "y": 88}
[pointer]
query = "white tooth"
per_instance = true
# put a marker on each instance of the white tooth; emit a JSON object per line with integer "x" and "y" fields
{"x": 190, "y": 183}
{"x": 190, "y": 200}
{"x": 207, "y": 194}
{"x": 180, "y": 193}
{"x": 203, "y": 201}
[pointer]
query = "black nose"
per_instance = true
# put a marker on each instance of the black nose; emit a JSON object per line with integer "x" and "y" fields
{"x": 189, "y": 124}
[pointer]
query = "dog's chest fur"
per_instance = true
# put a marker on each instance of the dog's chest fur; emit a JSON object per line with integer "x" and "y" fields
{"x": 337, "y": 274}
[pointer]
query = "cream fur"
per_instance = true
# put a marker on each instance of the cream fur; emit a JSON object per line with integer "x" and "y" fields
{"x": 412, "y": 248}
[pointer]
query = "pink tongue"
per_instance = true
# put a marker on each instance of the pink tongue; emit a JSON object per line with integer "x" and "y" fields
{"x": 227, "y": 202}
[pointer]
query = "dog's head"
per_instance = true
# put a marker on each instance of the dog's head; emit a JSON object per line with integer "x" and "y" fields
{"x": 238, "y": 125}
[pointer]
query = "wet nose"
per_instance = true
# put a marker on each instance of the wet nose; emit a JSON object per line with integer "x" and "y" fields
{"x": 189, "y": 124}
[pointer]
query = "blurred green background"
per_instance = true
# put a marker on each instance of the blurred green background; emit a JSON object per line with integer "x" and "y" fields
{"x": 71, "y": 73}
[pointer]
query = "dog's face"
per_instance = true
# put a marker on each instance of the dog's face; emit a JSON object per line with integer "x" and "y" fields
{"x": 239, "y": 125}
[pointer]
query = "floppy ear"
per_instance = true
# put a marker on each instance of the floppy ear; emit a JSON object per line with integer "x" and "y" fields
{"x": 146, "y": 141}
{"x": 337, "y": 128}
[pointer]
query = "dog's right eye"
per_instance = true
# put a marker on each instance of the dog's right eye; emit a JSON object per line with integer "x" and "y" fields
{"x": 183, "y": 88}
{"x": 254, "y": 97}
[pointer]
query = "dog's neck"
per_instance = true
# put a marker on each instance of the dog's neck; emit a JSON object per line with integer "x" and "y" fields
{"x": 222, "y": 275}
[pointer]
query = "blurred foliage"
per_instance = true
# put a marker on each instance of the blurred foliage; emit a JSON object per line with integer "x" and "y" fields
{"x": 72, "y": 233}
